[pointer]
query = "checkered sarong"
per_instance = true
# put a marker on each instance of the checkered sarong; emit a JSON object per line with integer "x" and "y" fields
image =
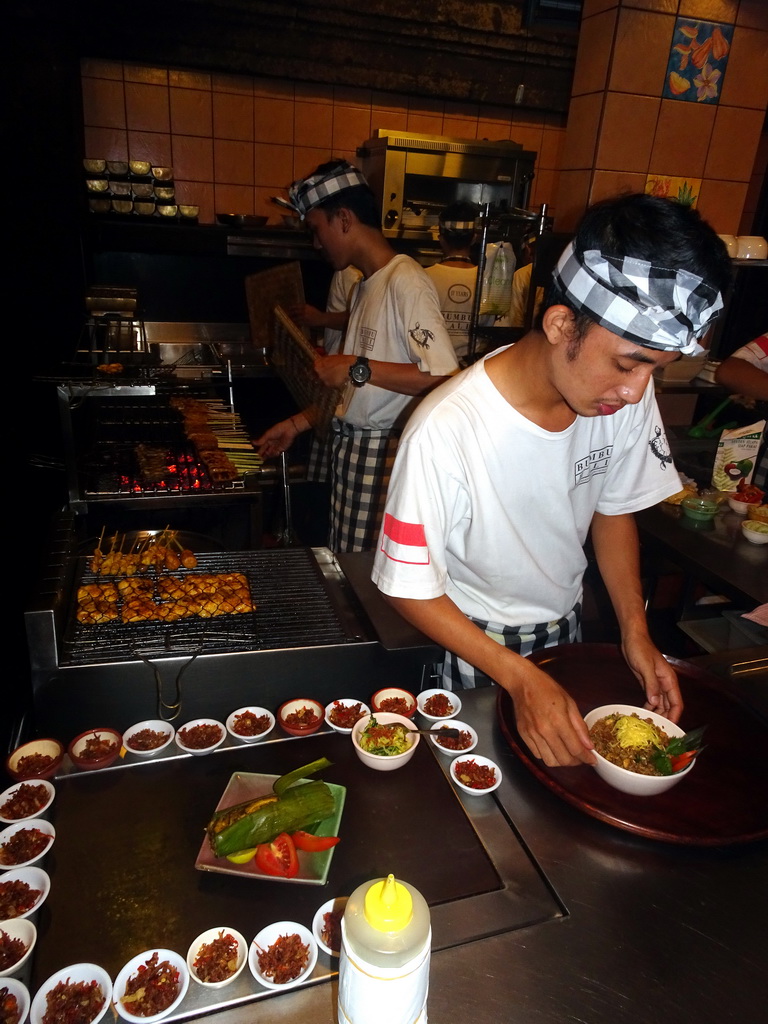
{"x": 458, "y": 674}
{"x": 361, "y": 465}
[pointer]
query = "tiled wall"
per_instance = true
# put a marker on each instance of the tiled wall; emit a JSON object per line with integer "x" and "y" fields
{"x": 620, "y": 130}
{"x": 235, "y": 141}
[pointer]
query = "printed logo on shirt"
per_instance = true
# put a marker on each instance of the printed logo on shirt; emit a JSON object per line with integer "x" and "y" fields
{"x": 367, "y": 338}
{"x": 421, "y": 336}
{"x": 592, "y": 465}
{"x": 453, "y": 318}
{"x": 459, "y": 293}
{"x": 660, "y": 448}
{"x": 404, "y": 542}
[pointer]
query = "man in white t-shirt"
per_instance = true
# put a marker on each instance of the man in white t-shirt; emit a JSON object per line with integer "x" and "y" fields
{"x": 395, "y": 349}
{"x": 455, "y": 276}
{"x": 504, "y": 470}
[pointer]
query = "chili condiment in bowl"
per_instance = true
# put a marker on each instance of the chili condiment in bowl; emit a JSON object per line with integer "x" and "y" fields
{"x": 96, "y": 748}
{"x": 301, "y": 716}
{"x": 25, "y": 842}
{"x": 461, "y": 744}
{"x": 216, "y": 957}
{"x": 36, "y": 759}
{"x": 200, "y": 736}
{"x": 25, "y": 800}
{"x": 17, "y": 940}
{"x": 22, "y": 892}
{"x": 475, "y": 775}
{"x": 282, "y": 955}
{"x": 81, "y": 992}
{"x": 250, "y": 725}
{"x": 342, "y": 714}
{"x": 155, "y": 981}
{"x": 145, "y": 739}
{"x": 394, "y": 700}
{"x": 437, "y": 704}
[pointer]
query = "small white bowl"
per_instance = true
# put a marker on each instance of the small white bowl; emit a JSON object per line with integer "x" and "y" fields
{"x": 330, "y": 906}
{"x": 200, "y": 750}
{"x": 259, "y": 712}
{"x": 23, "y": 930}
{"x": 267, "y": 936}
{"x": 740, "y": 507}
{"x": 118, "y": 989}
{"x": 76, "y": 973}
{"x": 754, "y": 531}
{"x": 346, "y": 702}
{"x": 7, "y": 794}
{"x": 381, "y": 762}
{"x": 394, "y": 693}
{"x": 37, "y": 823}
{"x": 455, "y": 724}
{"x": 425, "y": 695}
{"x": 623, "y": 778}
{"x": 480, "y": 760}
{"x": 35, "y": 878}
{"x": 21, "y": 992}
{"x": 155, "y": 725}
{"x": 208, "y": 936}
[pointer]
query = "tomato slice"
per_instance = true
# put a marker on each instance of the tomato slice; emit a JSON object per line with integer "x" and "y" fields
{"x": 278, "y": 858}
{"x": 313, "y": 844}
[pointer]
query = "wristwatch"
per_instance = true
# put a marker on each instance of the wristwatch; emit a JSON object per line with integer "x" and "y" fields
{"x": 360, "y": 372}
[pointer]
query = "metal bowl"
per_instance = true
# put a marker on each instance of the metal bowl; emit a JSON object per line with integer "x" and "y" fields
{"x": 241, "y": 220}
{"x": 140, "y": 167}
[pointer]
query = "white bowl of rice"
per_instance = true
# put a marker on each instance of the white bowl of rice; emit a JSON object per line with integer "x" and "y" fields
{"x": 626, "y": 779}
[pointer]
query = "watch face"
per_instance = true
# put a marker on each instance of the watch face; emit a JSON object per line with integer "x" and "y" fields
{"x": 360, "y": 372}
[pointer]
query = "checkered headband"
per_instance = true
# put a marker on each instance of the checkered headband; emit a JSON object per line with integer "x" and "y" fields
{"x": 307, "y": 193}
{"x": 651, "y": 306}
{"x": 458, "y": 225}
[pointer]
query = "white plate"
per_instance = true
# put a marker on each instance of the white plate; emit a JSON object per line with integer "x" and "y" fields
{"x": 22, "y": 929}
{"x": 16, "y": 988}
{"x": 454, "y": 723}
{"x": 208, "y": 936}
{"x": 156, "y": 725}
{"x": 118, "y": 989}
{"x": 339, "y": 903}
{"x": 259, "y": 712}
{"x": 8, "y": 793}
{"x": 267, "y": 936}
{"x": 478, "y": 759}
{"x": 200, "y": 750}
{"x": 35, "y": 878}
{"x": 31, "y": 823}
{"x": 75, "y": 974}
{"x": 424, "y": 696}
{"x": 347, "y": 702}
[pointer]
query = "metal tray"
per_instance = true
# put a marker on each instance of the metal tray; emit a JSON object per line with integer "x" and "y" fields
{"x": 723, "y": 801}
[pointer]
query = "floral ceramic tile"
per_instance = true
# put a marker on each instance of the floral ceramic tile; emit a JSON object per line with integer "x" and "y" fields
{"x": 697, "y": 61}
{"x": 682, "y": 190}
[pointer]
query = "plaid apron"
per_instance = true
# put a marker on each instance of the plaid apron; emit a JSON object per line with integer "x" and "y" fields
{"x": 361, "y": 464}
{"x": 458, "y": 674}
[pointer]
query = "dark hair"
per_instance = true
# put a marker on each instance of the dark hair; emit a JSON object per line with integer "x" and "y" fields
{"x": 458, "y": 211}
{"x": 662, "y": 231}
{"x": 359, "y": 198}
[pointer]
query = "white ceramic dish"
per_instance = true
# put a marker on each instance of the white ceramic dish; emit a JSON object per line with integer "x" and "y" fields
{"x": 7, "y": 794}
{"x": 155, "y": 725}
{"x": 37, "y": 823}
{"x": 36, "y": 879}
{"x": 200, "y": 750}
{"x": 208, "y": 936}
{"x": 118, "y": 989}
{"x": 394, "y": 693}
{"x": 330, "y": 906}
{"x": 754, "y": 531}
{"x": 77, "y": 973}
{"x": 623, "y": 778}
{"x": 259, "y": 713}
{"x": 23, "y": 930}
{"x": 740, "y": 507}
{"x": 346, "y": 702}
{"x": 423, "y": 698}
{"x": 454, "y": 723}
{"x": 380, "y": 762}
{"x": 267, "y": 936}
{"x": 480, "y": 760}
{"x": 21, "y": 993}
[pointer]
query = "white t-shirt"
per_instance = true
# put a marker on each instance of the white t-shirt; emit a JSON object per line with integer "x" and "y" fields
{"x": 456, "y": 291}
{"x": 395, "y": 317}
{"x": 755, "y": 352}
{"x": 487, "y": 507}
{"x": 339, "y": 297}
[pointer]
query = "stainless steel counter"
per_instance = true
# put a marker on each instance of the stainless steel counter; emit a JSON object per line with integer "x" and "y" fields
{"x": 650, "y": 930}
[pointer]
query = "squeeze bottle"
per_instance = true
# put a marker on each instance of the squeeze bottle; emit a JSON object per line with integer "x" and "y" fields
{"x": 386, "y": 940}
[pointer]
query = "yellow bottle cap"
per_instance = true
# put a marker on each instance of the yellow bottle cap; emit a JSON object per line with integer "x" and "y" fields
{"x": 388, "y": 905}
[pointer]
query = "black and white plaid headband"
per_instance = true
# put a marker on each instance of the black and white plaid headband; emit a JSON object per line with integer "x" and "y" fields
{"x": 307, "y": 193}
{"x": 458, "y": 225}
{"x": 648, "y": 305}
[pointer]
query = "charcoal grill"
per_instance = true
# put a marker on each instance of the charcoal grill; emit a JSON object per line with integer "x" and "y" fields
{"x": 320, "y": 629}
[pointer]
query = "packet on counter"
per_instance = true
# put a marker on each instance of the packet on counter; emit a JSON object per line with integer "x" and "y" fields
{"x": 735, "y": 457}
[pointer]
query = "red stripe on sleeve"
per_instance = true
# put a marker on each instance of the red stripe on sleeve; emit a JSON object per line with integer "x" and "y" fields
{"x": 404, "y": 533}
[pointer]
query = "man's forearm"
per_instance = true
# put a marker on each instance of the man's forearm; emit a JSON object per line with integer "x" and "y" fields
{"x": 617, "y": 550}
